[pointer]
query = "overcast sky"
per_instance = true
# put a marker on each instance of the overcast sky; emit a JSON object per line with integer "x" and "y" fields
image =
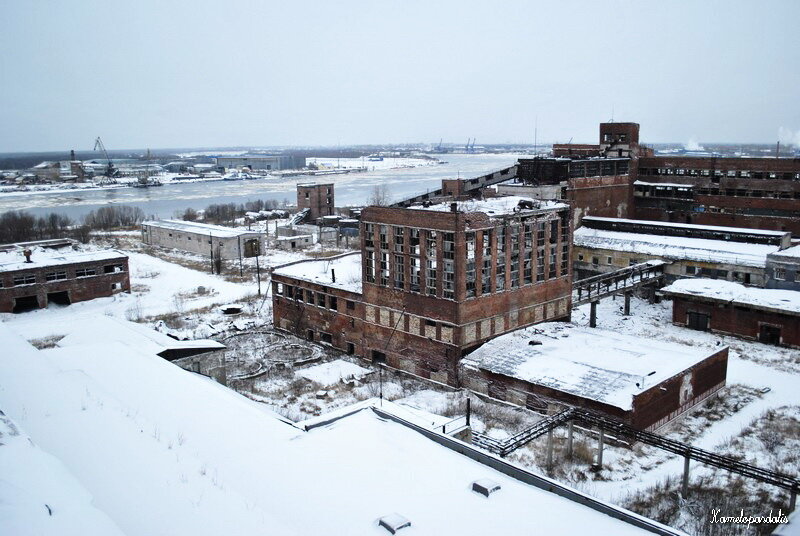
{"x": 186, "y": 74}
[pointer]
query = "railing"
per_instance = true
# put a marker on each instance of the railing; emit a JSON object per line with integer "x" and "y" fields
{"x": 510, "y": 444}
{"x": 598, "y": 286}
{"x": 451, "y": 426}
{"x": 620, "y": 430}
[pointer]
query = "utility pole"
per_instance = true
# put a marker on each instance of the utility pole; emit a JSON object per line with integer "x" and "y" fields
{"x": 258, "y": 276}
{"x": 211, "y": 247}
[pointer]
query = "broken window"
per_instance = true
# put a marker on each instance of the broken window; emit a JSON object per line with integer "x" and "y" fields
{"x": 448, "y": 284}
{"x": 320, "y": 299}
{"x": 369, "y": 235}
{"x": 384, "y": 236}
{"x": 413, "y": 241}
{"x": 486, "y": 272}
{"x": 470, "y": 267}
{"x": 500, "y": 259}
{"x": 399, "y": 239}
{"x": 24, "y": 280}
{"x": 370, "y": 266}
{"x": 779, "y": 274}
{"x": 113, "y": 268}
{"x": 448, "y": 246}
{"x": 399, "y": 272}
{"x": 55, "y": 276}
{"x": 540, "y": 264}
{"x": 414, "y": 266}
{"x": 384, "y": 271}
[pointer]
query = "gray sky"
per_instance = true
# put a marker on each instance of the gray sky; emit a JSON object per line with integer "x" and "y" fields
{"x": 183, "y": 74}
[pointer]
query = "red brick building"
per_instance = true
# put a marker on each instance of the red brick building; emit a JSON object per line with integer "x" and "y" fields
{"x": 762, "y": 193}
{"x": 317, "y": 198}
{"x": 59, "y": 277}
{"x": 645, "y": 383}
{"x": 767, "y": 315}
{"x": 436, "y": 282}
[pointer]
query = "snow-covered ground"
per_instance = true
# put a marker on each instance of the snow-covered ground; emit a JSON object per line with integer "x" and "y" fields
{"x": 39, "y": 495}
{"x": 164, "y": 451}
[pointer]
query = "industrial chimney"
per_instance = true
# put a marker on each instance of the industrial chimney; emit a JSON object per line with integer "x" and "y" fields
{"x": 27, "y": 254}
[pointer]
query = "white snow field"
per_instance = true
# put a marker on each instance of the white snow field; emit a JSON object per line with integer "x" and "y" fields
{"x": 38, "y": 495}
{"x": 166, "y": 452}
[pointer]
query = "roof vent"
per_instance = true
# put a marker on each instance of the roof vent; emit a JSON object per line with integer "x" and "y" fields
{"x": 394, "y": 522}
{"x": 485, "y": 486}
{"x": 534, "y": 342}
{"x": 27, "y": 254}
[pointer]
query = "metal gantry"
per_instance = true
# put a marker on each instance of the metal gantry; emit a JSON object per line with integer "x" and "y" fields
{"x": 599, "y": 286}
{"x": 622, "y": 430}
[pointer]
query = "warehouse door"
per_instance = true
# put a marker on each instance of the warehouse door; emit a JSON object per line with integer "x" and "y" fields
{"x": 769, "y": 334}
{"x": 698, "y": 321}
{"x": 25, "y": 303}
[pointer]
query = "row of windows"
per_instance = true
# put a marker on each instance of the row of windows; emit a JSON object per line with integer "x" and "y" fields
{"x": 188, "y": 237}
{"x": 408, "y": 323}
{"x": 61, "y": 275}
{"x": 740, "y": 192}
{"x": 731, "y": 173}
{"x": 320, "y": 299}
{"x": 516, "y": 240}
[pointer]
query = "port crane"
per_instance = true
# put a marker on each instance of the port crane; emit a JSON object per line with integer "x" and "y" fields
{"x": 111, "y": 171}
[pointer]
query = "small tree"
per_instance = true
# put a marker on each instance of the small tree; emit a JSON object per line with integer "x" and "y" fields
{"x": 379, "y": 195}
{"x": 189, "y": 214}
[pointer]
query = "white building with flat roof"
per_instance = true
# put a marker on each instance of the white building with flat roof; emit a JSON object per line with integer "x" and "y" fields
{"x": 214, "y": 241}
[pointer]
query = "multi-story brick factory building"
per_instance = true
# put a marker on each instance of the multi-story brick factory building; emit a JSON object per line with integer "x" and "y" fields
{"x": 760, "y": 193}
{"x": 436, "y": 281}
{"x": 317, "y": 199}
{"x": 33, "y": 278}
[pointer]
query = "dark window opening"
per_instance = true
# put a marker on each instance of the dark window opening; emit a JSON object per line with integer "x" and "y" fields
{"x": 698, "y": 321}
{"x": 310, "y": 334}
{"x": 351, "y": 348}
{"x": 325, "y": 337}
{"x": 769, "y": 334}
{"x": 378, "y": 357}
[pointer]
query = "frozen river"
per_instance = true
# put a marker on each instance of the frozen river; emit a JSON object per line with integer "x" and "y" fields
{"x": 351, "y": 189}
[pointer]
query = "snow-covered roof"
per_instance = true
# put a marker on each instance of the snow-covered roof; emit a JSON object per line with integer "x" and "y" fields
{"x": 675, "y": 247}
{"x": 788, "y": 253}
{"x": 652, "y": 223}
{"x": 15, "y": 260}
{"x": 206, "y": 229}
{"x": 201, "y": 459}
{"x": 728, "y": 291}
{"x": 346, "y": 268}
{"x": 596, "y": 364}
{"x": 110, "y": 329}
{"x": 493, "y": 206}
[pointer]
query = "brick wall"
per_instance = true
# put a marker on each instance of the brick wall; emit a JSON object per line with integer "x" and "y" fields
{"x": 737, "y": 320}
{"x": 78, "y": 288}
